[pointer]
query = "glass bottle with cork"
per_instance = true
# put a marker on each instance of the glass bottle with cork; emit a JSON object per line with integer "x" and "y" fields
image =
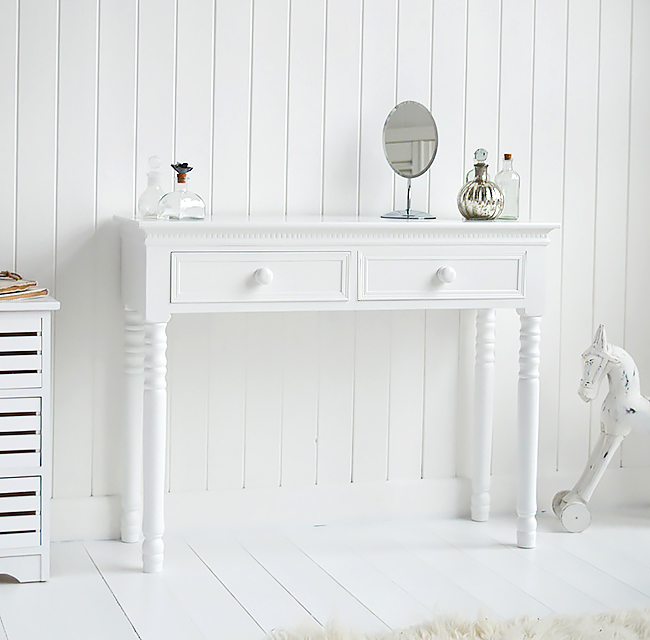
{"x": 508, "y": 181}
{"x": 182, "y": 204}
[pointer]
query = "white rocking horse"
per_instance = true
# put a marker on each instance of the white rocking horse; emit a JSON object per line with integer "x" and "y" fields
{"x": 624, "y": 409}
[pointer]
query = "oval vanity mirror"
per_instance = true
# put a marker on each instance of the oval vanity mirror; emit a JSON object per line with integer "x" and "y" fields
{"x": 410, "y": 144}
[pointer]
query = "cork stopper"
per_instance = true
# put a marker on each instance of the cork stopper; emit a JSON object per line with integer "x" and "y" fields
{"x": 507, "y": 156}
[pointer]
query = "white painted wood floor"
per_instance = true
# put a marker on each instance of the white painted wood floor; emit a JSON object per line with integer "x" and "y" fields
{"x": 239, "y": 585}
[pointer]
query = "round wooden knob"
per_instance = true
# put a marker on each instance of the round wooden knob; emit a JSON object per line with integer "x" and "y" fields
{"x": 446, "y": 274}
{"x": 264, "y": 275}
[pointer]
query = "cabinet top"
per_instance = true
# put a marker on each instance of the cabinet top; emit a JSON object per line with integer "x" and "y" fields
{"x": 335, "y": 228}
{"x": 40, "y": 303}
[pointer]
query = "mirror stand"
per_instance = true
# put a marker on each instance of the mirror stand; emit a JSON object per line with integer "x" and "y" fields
{"x": 408, "y": 213}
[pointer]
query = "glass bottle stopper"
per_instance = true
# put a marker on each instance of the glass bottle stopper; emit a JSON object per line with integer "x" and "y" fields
{"x": 480, "y": 155}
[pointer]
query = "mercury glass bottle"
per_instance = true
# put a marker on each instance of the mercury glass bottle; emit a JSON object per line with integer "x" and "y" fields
{"x": 182, "y": 204}
{"x": 508, "y": 181}
{"x": 480, "y": 199}
{"x": 150, "y": 198}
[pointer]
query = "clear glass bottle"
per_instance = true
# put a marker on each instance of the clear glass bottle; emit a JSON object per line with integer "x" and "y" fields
{"x": 182, "y": 204}
{"x": 480, "y": 157}
{"x": 508, "y": 181}
{"x": 150, "y": 198}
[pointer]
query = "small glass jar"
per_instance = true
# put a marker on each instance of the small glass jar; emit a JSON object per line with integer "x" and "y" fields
{"x": 150, "y": 199}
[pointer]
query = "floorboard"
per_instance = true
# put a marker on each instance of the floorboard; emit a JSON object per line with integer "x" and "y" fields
{"x": 366, "y": 577}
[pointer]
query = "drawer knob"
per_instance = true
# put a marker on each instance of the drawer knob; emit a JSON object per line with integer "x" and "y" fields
{"x": 264, "y": 275}
{"x": 446, "y": 274}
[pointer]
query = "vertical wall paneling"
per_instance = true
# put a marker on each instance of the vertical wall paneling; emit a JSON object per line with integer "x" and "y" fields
{"x": 188, "y": 357}
{"x": 514, "y": 136}
{"x": 8, "y": 98}
{"x": 377, "y": 100}
{"x": 638, "y": 258}
{"x": 299, "y": 398}
{"x": 75, "y": 227}
{"x": 189, "y": 381}
{"x": 516, "y": 93}
{"x": 342, "y": 78}
{"x": 371, "y": 395}
{"x": 578, "y": 226}
{"x": 227, "y": 402}
{"x": 231, "y": 108}
{"x": 269, "y": 108}
{"x": 546, "y": 203}
{"x": 441, "y": 427}
{"x": 448, "y": 106}
{"x": 263, "y": 444}
{"x": 305, "y": 108}
{"x": 482, "y": 80}
{"x": 194, "y": 92}
{"x": 115, "y": 195}
{"x": 335, "y": 397}
{"x": 611, "y": 188}
{"x": 156, "y": 88}
{"x": 414, "y": 80}
{"x": 407, "y": 353}
{"x": 36, "y": 153}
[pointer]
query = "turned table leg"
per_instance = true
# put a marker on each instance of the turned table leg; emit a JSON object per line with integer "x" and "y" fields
{"x": 483, "y": 412}
{"x": 154, "y": 436}
{"x": 131, "y": 523}
{"x": 528, "y": 427}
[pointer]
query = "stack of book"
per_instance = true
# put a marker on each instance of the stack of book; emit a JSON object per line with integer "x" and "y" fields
{"x": 12, "y": 286}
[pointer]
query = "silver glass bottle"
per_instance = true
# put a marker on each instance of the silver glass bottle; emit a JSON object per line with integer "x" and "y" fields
{"x": 480, "y": 199}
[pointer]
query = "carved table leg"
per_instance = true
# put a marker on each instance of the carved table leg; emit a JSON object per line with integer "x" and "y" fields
{"x": 528, "y": 427}
{"x": 155, "y": 426}
{"x": 483, "y": 412}
{"x": 131, "y": 523}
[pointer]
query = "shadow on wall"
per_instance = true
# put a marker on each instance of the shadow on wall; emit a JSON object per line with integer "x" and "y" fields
{"x": 88, "y": 365}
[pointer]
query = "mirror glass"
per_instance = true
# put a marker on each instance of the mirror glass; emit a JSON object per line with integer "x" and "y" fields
{"x": 410, "y": 139}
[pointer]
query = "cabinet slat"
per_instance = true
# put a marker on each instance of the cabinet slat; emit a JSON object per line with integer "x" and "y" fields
{"x": 17, "y": 540}
{"x": 20, "y": 460}
{"x": 20, "y": 405}
{"x": 12, "y": 504}
{"x": 23, "y": 442}
{"x": 20, "y": 362}
{"x": 16, "y": 485}
{"x": 11, "y": 343}
{"x": 11, "y": 424}
{"x": 20, "y": 380}
{"x": 11, "y": 524}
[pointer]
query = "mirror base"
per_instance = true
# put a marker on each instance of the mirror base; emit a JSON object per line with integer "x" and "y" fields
{"x": 409, "y": 215}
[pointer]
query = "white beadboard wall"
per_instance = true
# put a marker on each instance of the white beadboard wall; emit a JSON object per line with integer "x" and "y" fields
{"x": 279, "y": 106}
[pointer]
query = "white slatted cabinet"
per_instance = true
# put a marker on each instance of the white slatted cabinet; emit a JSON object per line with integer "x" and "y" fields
{"x": 25, "y": 437}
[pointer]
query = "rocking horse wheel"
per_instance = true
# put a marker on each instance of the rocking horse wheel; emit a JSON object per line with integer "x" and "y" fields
{"x": 572, "y": 511}
{"x": 575, "y": 517}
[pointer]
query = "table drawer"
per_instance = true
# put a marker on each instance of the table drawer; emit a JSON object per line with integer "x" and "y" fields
{"x": 21, "y": 359}
{"x": 255, "y": 276}
{"x": 430, "y": 277}
{"x": 20, "y": 433}
{"x": 20, "y": 512}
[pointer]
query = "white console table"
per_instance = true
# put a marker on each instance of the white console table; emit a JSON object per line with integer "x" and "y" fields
{"x": 230, "y": 265}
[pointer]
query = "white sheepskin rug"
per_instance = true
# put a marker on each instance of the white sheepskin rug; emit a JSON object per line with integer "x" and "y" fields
{"x": 622, "y": 625}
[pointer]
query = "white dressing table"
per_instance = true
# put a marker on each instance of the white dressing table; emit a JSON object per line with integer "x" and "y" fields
{"x": 350, "y": 264}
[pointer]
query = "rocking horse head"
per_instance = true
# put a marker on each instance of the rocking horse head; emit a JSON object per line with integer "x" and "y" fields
{"x": 596, "y": 361}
